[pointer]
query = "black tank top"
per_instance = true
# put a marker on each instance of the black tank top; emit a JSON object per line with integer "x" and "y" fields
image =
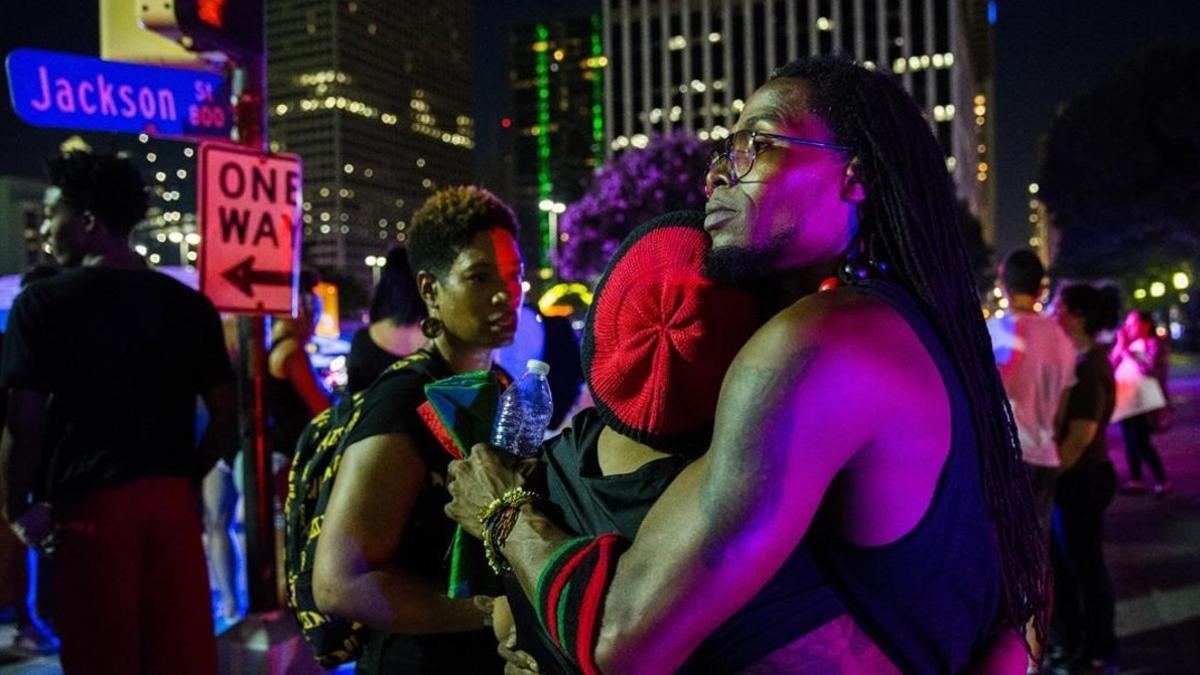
{"x": 793, "y": 603}
{"x": 930, "y": 597}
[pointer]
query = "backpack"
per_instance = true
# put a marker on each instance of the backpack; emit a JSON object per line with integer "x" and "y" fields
{"x": 334, "y": 640}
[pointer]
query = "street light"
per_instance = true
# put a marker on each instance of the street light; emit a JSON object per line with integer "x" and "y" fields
{"x": 553, "y": 209}
{"x": 1158, "y": 289}
{"x": 1180, "y": 281}
{"x": 376, "y": 263}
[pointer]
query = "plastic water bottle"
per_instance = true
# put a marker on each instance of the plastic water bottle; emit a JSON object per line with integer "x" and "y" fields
{"x": 524, "y": 412}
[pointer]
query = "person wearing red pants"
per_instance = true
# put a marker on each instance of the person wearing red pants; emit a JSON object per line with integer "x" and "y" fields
{"x": 103, "y": 364}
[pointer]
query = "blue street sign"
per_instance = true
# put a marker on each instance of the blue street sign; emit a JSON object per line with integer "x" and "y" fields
{"x": 49, "y": 89}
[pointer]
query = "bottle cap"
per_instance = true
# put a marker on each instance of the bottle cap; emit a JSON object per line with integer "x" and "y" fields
{"x": 540, "y": 367}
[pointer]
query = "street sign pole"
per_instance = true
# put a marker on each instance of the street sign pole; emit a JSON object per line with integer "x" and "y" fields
{"x": 261, "y": 578}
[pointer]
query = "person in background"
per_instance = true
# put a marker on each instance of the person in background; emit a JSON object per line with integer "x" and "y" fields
{"x": 1084, "y": 634}
{"x": 219, "y": 494}
{"x": 34, "y": 634}
{"x": 381, "y": 556}
{"x": 103, "y": 364}
{"x": 394, "y": 331}
{"x": 1036, "y": 360}
{"x": 292, "y": 395}
{"x": 1140, "y": 355}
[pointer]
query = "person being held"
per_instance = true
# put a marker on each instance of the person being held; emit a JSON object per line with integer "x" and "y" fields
{"x": 867, "y": 422}
{"x": 1036, "y": 360}
{"x": 103, "y": 364}
{"x": 380, "y": 559}
{"x": 657, "y": 341}
{"x": 395, "y": 331}
{"x": 1139, "y": 359}
{"x": 1084, "y": 633}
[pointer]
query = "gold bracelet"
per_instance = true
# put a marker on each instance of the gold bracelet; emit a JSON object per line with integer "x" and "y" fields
{"x": 498, "y": 520}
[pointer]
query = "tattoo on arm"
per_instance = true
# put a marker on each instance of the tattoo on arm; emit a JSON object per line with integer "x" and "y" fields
{"x": 749, "y": 452}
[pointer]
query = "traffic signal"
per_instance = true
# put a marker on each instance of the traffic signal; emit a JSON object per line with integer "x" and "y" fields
{"x": 235, "y": 27}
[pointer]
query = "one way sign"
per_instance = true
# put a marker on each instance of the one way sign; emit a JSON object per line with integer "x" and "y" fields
{"x": 250, "y": 222}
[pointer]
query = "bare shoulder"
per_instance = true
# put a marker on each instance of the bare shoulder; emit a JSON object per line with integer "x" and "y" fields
{"x": 840, "y": 324}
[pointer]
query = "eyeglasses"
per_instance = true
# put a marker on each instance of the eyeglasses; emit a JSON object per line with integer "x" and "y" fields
{"x": 741, "y": 149}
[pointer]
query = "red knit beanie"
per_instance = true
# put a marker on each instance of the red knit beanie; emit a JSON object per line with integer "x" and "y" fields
{"x": 660, "y": 336}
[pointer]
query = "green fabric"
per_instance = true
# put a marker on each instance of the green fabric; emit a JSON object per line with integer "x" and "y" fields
{"x": 466, "y": 404}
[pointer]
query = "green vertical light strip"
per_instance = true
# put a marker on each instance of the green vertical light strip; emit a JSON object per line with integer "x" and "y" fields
{"x": 545, "y": 186}
{"x": 597, "y": 90}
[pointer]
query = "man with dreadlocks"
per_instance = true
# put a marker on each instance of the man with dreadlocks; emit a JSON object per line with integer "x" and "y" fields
{"x": 864, "y": 418}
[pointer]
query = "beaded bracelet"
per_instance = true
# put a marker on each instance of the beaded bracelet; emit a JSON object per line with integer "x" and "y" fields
{"x": 498, "y": 520}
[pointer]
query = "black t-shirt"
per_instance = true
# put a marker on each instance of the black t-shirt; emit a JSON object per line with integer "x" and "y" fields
{"x": 366, "y": 361}
{"x": 389, "y": 406}
{"x": 1093, "y": 398}
{"x": 123, "y": 354}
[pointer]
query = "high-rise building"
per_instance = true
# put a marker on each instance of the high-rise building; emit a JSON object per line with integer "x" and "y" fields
{"x": 557, "y": 80}
{"x": 375, "y": 97}
{"x": 691, "y": 64}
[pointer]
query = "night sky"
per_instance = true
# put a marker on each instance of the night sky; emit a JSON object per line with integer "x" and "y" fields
{"x": 1045, "y": 52}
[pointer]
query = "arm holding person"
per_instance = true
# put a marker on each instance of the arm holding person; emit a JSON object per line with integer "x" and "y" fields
{"x": 778, "y": 443}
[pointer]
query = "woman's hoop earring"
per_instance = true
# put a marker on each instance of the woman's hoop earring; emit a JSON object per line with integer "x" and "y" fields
{"x": 431, "y": 327}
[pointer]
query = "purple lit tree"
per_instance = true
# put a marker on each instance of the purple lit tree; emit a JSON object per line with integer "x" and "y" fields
{"x": 667, "y": 175}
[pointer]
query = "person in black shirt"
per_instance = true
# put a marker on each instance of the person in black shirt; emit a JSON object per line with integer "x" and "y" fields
{"x": 1084, "y": 603}
{"x": 103, "y": 364}
{"x": 380, "y": 559}
{"x": 396, "y": 311}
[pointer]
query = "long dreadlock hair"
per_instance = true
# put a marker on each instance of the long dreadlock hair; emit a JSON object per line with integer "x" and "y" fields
{"x": 909, "y": 220}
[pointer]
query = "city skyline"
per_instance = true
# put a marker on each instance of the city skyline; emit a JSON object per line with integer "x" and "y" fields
{"x": 1043, "y": 57}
